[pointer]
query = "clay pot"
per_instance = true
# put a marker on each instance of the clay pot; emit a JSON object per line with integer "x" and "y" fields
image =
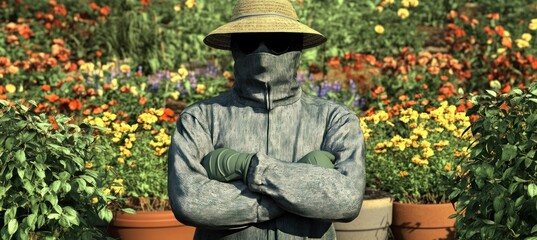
{"x": 423, "y": 221}
{"x": 372, "y": 223}
{"x": 160, "y": 225}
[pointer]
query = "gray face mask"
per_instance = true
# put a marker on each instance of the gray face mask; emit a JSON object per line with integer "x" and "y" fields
{"x": 265, "y": 77}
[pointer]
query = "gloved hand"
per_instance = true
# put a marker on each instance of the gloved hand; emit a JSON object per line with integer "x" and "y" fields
{"x": 224, "y": 164}
{"x": 319, "y": 158}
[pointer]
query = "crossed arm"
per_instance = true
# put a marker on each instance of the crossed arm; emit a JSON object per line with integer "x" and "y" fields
{"x": 269, "y": 187}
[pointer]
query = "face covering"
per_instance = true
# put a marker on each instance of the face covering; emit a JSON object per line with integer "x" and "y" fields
{"x": 266, "y": 78}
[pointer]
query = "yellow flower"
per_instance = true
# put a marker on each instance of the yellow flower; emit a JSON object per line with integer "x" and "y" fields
{"x": 522, "y": 44}
{"x": 89, "y": 165}
{"x": 389, "y": 1}
{"x": 200, "y": 88}
{"x": 405, "y": 3}
{"x": 94, "y": 200}
{"x": 13, "y": 69}
{"x": 506, "y": 34}
{"x": 182, "y": 72}
{"x": 526, "y": 37}
{"x": 87, "y": 68}
{"x": 403, "y": 173}
{"x": 113, "y": 84}
{"x": 428, "y": 152}
{"x": 403, "y": 13}
{"x": 379, "y": 9}
{"x": 175, "y": 95}
{"x": 121, "y": 160}
{"x": 124, "y": 68}
{"x": 425, "y": 144}
{"x": 190, "y": 3}
{"x": 177, "y": 7}
{"x": 414, "y": 3}
{"x": 501, "y": 50}
{"x": 10, "y": 88}
{"x": 447, "y": 167}
{"x": 109, "y": 66}
{"x": 379, "y": 29}
{"x": 106, "y": 191}
{"x": 533, "y": 24}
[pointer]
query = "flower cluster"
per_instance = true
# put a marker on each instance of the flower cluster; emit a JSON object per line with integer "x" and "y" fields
{"x": 410, "y": 153}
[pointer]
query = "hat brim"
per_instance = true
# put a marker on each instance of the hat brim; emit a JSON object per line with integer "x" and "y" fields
{"x": 221, "y": 37}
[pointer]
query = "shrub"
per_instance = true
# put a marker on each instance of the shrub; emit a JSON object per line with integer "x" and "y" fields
{"x": 497, "y": 193}
{"x": 46, "y": 188}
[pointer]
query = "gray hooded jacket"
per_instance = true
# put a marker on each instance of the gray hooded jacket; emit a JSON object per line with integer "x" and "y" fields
{"x": 282, "y": 199}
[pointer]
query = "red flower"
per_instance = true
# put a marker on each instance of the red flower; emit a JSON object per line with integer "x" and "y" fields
{"x": 45, "y": 88}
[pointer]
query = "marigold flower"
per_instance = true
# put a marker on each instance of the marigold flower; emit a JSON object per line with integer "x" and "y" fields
{"x": 405, "y": 3}
{"x": 403, "y": 173}
{"x": 526, "y": 37}
{"x": 200, "y": 88}
{"x": 94, "y": 200}
{"x": 190, "y": 3}
{"x": 124, "y": 68}
{"x": 13, "y": 69}
{"x": 403, "y": 13}
{"x": 10, "y": 88}
{"x": 414, "y": 3}
{"x": 522, "y": 43}
{"x": 88, "y": 165}
{"x": 379, "y": 29}
{"x": 533, "y": 24}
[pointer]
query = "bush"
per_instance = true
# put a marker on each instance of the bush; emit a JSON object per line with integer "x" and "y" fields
{"x": 46, "y": 189}
{"x": 497, "y": 193}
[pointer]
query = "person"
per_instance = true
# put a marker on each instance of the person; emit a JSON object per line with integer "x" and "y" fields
{"x": 263, "y": 160}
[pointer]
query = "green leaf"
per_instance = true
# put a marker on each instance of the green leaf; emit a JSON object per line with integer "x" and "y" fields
{"x": 55, "y": 186}
{"x": 488, "y": 222}
{"x": 492, "y": 93}
{"x": 20, "y": 155}
{"x": 509, "y": 152}
{"x": 532, "y": 190}
{"x": 12, "y": 226}
{"x": 534, "y": 229}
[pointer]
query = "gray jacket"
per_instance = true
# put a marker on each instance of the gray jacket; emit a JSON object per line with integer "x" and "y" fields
{"x": 282, "y": 199}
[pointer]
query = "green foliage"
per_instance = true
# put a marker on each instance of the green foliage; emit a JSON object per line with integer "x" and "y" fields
{"x": 497, "y": 195}
{"x": 45, "y": 188}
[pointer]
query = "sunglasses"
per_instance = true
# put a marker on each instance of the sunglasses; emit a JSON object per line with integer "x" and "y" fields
{"x": 277, "y": 43}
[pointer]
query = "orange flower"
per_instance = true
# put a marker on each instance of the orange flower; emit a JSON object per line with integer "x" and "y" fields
{"x": 75, "y": 105}
{"x": 105, "y": 10}
{"x": 45, "y": 88}
{"x": 52, "y": 98}
{"x": 97, "y": 110}
{"x": 87, "y": 112}
{"x": 142, "y": 100}
{"x": 94, "y": 6}
{"x": 98, "y": 53}
{"x": 53, "y": 122}
{"x": 493, "y": 16}
{"x": 145, "y": 2}
{"x": 507, "y": 42}
{"x": 2, "y": 89}
{"x": 504, "y": 106}
{"x": 168, "y": 116}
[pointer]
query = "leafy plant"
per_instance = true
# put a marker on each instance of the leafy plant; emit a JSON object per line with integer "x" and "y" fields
{"x": 497, "y": 193}
{"x": 46, "y": 188}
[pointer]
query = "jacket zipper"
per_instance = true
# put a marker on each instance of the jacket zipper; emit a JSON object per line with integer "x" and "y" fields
{"x": 267, "y": 86}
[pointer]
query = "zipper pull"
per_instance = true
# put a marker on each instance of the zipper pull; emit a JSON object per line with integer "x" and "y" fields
{"x": 267, "y": 86}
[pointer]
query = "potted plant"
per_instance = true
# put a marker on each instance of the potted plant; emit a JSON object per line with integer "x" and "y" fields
{"x": 410, "y": 155}
{"x": 133, "y": 161}
{"x": 497, "y": 192}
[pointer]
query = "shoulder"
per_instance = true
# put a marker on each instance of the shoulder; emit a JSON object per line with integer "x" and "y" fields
{"x": 201, "y": 108}
{"x": 333, "y": 110}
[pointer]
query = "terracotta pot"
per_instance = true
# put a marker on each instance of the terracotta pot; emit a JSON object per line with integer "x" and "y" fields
{"x": 160, "y": 225}
{"x": 372, "y": 223}
{"x": 423, "y": 221}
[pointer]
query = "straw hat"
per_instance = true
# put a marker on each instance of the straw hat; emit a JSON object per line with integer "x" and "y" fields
{"x": 263, "y": 16}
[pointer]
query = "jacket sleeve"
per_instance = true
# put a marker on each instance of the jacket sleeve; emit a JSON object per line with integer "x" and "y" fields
{"x": 197, "y": 200}
{"x": 316, "y": 192}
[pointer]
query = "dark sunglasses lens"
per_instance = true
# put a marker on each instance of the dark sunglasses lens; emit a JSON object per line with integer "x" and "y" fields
{"x": 248, "y": 45}
{"x": 278, "y": 46}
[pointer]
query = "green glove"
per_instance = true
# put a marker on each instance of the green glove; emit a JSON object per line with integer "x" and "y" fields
{"x": 319, "y": 158}
{"x": 224, "y": 164}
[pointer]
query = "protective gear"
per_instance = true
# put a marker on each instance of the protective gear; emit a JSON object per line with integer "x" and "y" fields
{"x": 319, "y": 158}
{"x": 226, "y": 165}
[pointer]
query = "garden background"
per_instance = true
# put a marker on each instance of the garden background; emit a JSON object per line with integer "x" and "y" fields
{"x": 113, "y": 77}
